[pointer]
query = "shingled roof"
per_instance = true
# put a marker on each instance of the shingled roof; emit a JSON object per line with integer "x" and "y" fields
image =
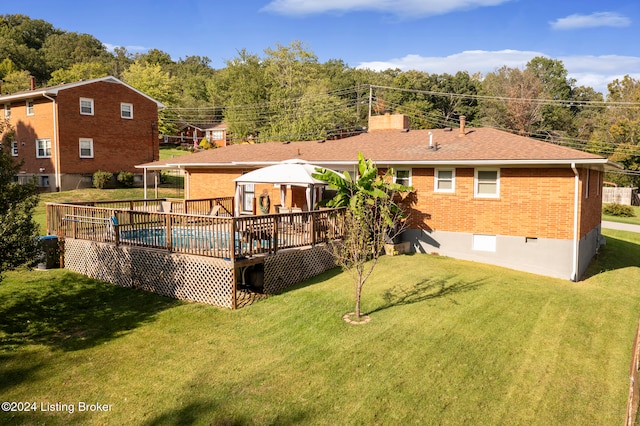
{"x": 471, "y": 146}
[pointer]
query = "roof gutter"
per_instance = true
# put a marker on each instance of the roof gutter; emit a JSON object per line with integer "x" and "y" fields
{"x": 576, "y": 200}
{"x": 56, "y": 147}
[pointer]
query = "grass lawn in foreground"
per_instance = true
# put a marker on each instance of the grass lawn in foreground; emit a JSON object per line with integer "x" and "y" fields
{"x": 450, "y": 342}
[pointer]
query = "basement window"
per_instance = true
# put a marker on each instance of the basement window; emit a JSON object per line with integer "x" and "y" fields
{"x": 484, "y": 243}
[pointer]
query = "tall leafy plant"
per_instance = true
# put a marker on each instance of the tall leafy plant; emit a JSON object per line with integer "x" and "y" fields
{"x": 371, "y": 220}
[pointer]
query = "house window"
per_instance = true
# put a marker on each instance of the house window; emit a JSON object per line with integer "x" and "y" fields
{"x": 7, "y": 110}
{"x": 43, "y": 148}
{"x": 86, "y": 148}
{"x": 248, "y": 193}
{"x": 30, "y": 109}
{"x": 403, "y": 177}
{"x": 44, "y": 181}
{"x": 484, "y": 243}
{"x": 444, "y": 180}
{"x": 126, "y": 110}
{"x": 487, "y": 183}
{"x": 216, "y": 135}
{"x": 14, "y": 148}
{"x": 86, "y": 106}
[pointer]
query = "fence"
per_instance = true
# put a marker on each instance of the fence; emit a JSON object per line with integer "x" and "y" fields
{"x": 628, "y": 196}
{"x": 141, "y": 223}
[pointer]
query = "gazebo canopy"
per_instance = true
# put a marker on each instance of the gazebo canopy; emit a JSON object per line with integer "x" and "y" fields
{"x": 294, "y": 172}
{"x": 289, "y": 172}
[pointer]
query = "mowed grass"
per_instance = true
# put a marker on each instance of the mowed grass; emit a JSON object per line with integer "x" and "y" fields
{"x": 449, "y": 342}
{"x": 635, "y": 220}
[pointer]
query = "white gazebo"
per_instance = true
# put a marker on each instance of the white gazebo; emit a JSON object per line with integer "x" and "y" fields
{"x": 287, "y": 173}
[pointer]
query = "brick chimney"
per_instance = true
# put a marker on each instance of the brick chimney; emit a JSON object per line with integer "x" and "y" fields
{"x": 388, "y": 122}
{"x": 32, "y": 83}
{"x": 463, "y": 122}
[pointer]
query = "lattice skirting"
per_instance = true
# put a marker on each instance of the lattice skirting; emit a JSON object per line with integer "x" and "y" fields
{"x": 289, "y": 267}
{"x": 195, "y": 278}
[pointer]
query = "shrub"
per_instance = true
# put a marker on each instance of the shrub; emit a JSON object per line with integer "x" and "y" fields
{"x": 101, "y": 179}
{"x": 615, "y": 209}
{"x": 125, "y": 179}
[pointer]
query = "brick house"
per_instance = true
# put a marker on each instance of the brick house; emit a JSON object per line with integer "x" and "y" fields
{"x": 63, "y": 134}
{"x": 192, "y": 134}
{"x": 480, "y": 194}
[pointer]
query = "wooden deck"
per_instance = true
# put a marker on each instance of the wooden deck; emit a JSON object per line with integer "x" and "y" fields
{"x": 197, "y": 227}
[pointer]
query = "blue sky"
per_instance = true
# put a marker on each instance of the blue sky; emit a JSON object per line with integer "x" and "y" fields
{"x": 597, "y": 40}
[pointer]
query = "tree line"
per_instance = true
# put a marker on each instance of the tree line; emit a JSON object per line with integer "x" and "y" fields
{"x": 286, "y": 93}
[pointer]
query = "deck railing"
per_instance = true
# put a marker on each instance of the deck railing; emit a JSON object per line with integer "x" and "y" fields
{"x": 193, "y": 233}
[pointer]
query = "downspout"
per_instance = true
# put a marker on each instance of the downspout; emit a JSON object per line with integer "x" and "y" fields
{"x": 56, "y": 164}
{"x": 576, "y": 199}
{"x": 144, "y": 181}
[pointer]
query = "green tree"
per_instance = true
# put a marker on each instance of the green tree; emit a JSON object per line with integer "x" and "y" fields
{"x": 78, "y": 72}
{"x": 153, "y": 81}
{"x": 62, "y": 51}
{"x": 16, "y": 81}
{"x": 18, "y": 231}
{"x": 372, "y": 219}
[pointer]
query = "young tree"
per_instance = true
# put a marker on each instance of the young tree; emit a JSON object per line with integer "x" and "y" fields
{"x": 18, "y": 231}
{"x": 372, "y": 219}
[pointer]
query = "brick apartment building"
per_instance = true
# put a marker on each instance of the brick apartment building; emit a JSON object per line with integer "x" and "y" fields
{"x": 63, "y": 134}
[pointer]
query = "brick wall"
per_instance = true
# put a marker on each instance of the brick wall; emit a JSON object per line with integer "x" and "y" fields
{"x": 119, "y": 143}
{"x": 533, "y": 203}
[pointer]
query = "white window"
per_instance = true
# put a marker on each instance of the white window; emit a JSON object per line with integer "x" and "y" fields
{"x": 487, "y": 183}
{"x": 86, "y": 106}
{"x": 216, "y": 135}
{"x": 86, "y": 148}
{"x": 7, "y": 110}
{"x": 43, "y": 148}
{"x": 30, "y": 109}
{"x": 14, "y": 148}
{"x": 126, "y": 110}
{"x": 248, "y": 193}
{"x": 484, "y": 243}
{"x": 403, "y": 177}
{"x": 444, "y": 180}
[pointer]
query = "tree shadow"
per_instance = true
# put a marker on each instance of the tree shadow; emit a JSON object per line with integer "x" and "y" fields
{"x": 616, "y": 254}
{"x": 430, "y": 288}
{"x": 74, "y": 312}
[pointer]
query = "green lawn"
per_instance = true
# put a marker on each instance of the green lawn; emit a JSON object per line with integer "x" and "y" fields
{"x": 450, "y": 342}
{"x": 633, "y": 220}
{"x": 167, "y": 152}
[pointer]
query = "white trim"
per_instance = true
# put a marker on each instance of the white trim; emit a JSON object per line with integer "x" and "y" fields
{"x": 437, "y": 179}
{"x": 476, "y": 182}
{"x": 91, "y": 102}
{"x": 38, "y": 141}
{"x": 32, "y": 108}
{"x": 130, "y": 105}
{"x": 409, "y": 177}
{"x": 81, "y": 140}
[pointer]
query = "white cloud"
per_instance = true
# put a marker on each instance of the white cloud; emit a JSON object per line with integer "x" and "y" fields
{"x": 599, "y": 19}
{"x": 403, "y": 8}
{"x": 110, "y": 47}
{"x": 592, "y": 71}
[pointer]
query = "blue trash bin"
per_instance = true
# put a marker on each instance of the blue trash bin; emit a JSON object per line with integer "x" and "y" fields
{"x": 49, "y": 248}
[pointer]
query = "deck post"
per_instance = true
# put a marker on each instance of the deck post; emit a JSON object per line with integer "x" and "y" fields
{"x": 168, "y": 240}
{"x": 312, "y": 226}
{"x": 275, "y": 233}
